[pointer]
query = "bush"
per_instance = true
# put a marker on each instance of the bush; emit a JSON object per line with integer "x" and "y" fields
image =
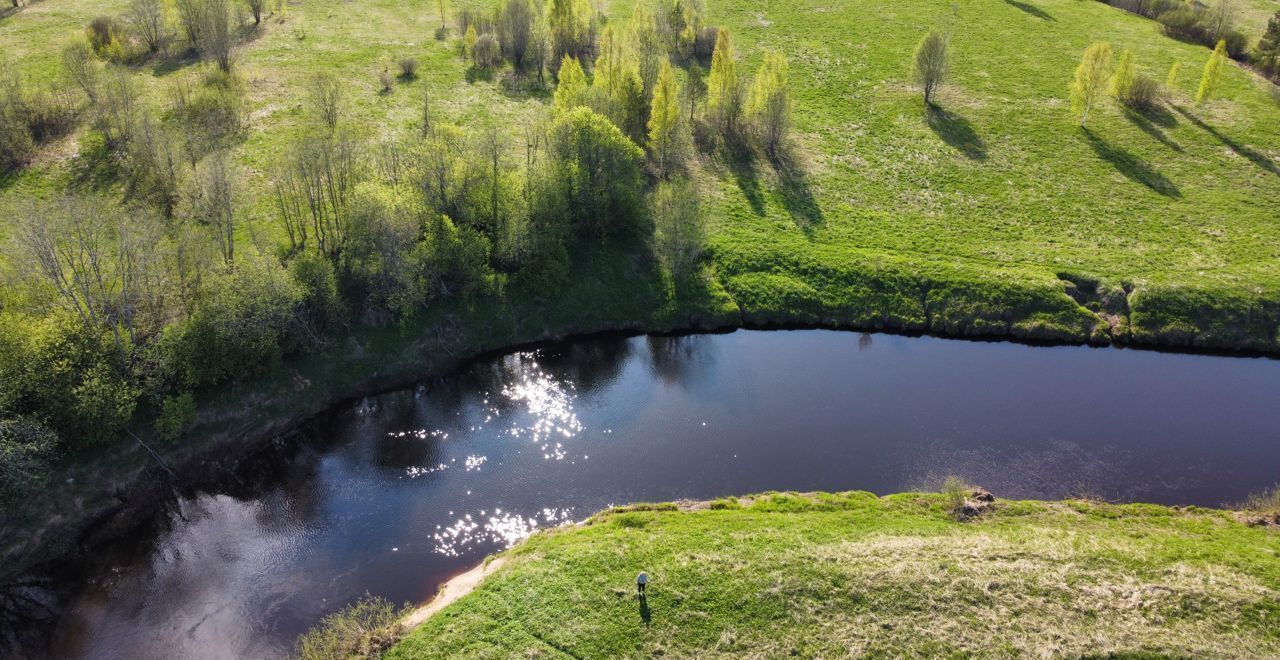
{"x": 362, "y": 629}
{"x": 486, "y": 54}
{"x": 176, "y": 413}
{"x": 955, "y": 490}
{"x": 1182, "y": 22}
{"x": 1143, "y": 93}
{"x": 26, "y": 450}
{"x": 106, "y": 38}
{"x": 386, "y": 81}
{"x": 242, "y": 324}
{"x": 409, "y": 68}
{"x": 598, "y": 170}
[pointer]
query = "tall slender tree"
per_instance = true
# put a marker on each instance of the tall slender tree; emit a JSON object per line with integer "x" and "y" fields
{"x": 724, "y": 89}
{"x": 769, "y": 103}
{"x": 931, "y": 60}
{"x": 1090, "y": 82}
{"x": 664, "y": 120}
{"x": 1212, "y": 73}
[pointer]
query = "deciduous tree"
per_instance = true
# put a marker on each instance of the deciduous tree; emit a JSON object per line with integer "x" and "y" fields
{"x": 665, "y": 121}
{"x": 724, "y": 89}
{"x": 1212, "y": 73}
{"x": 769, "y": 103}
{"x": 1090, "y": 82}
{"x": 931, "y": 61}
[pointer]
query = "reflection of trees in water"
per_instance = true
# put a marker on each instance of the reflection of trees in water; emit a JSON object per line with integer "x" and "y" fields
{"x": 677, "y": 360}
{"x": 589, "y": 363}
{"x": 29, "y": 608}
{"x": 865, "y": 340}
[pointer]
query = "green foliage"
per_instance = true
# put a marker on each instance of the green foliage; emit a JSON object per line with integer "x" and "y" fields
{"x": 666, "y": 122}
{"x": 679, "y": 226}
{"x": 1212, "y": 75}
{"x": 955, "y": 490}
{"x": 362, "y": 629}
{"x": 176, "y": 412}
{"x": 769, "y": 103}
{"x": 724, "y": 89}
{"x": 1090, "y": 79}
{"x": 617, "y": 89}
{"x": 931, "y": 62}
{"x": 26, "y": 449}
{"x": 599, "y": 174}
{"x": 242, "y": 322}
{"x": 1122, "y": 77}
{"x": 572, "y": 90}
{"x": 1267, "y": 54}
{"x": 572, "y": 24}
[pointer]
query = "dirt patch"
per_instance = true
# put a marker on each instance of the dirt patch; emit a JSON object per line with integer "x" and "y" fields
{"x": 1271, "y": 520}
{"x": 978, "y": 502}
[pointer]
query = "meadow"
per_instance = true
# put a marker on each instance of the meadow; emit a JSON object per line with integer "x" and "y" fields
{"x": 978, "y": 217}
{"x": 850, "y": 574}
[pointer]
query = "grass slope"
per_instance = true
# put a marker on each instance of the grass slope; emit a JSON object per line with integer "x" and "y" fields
{"x": 850, "y": 574}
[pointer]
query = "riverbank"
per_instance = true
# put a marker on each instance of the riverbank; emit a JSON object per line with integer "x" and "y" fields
{"x": 101, "y": 496}
{"x": 817, "y": 574}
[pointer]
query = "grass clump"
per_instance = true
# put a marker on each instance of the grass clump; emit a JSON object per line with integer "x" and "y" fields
{"x": 362, "y": 630}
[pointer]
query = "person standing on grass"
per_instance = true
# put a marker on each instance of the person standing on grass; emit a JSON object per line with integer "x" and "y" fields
{"x": 641, "y": 580}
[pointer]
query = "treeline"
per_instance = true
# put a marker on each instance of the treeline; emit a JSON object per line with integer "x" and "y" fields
{"x": 1209, "y": 24}
{"x": 116, "y": 315}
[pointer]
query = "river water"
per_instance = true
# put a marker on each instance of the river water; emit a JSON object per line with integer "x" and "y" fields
{"x": 395, "y": 494}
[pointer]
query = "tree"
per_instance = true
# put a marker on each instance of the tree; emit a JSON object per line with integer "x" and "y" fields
{"x": 665, "y": 120}
{"x": 647, "y": 47}
{"x": 679, "y": 228}
{"x": 1268, "y": 51}
{"x": 572, "y": 27}
{"x": 256, "y": 8}
{"x": 597, "y": 169}
{"x": 696, "y": 89}
{"x": 1171, "y": 81}
{"x": 327, "y": 99}
{"x": 515, "y": 31}
{"x": 190, "y": 15}
{"x": 215, "y": 34}
{"x": 724, "y": 89}
{"x": 1090, "y": 81}
{"x": 146, "y": 17}
{"x": 117, "y": 108}
{"x": 1220, "y": 19}
{"x": 572, "y": 90}
{"x": 1122, "y": 78}
{"x": 469, "y": 40}
{"x": 931, "y": 60}
{"x": 81, "y": 68}
{"x": 769, "y": 103}
{"x": 1212, "y": 73}
{"x": 619, "y": 92}
{"x": 212, "y": 202}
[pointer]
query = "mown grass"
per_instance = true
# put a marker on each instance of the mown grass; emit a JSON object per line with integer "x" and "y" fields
{"x": 851, "y": 574}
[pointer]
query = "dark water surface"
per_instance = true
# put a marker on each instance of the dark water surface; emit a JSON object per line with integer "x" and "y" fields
{"x": 396, "y": 494}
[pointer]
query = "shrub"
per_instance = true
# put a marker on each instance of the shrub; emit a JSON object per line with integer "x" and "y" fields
{"x": 1143, "y": 93}
{"x": 931, "y": 63}
{"x": 955, "y": 490}
{"x": 680, "y": 231}
{"x": 409, "y": 68}
{"x": 79, "y": 67}
{"x": 26, "y": 449}
{"x": 1267, "y": 501}
{"x": 176, "y": 413}
{"x": 386, "y": 82}
{"x": 362, "y": 629}
{"x": 106, "y": 38}
{"x": 1182, "y": 22}
{"x": 327, "y": 99}
{"x": 210, "y": 115}
{"x": 486, "y": 53}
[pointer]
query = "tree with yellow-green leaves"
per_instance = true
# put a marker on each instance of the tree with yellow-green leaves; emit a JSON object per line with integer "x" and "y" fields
{"x": 1122, "y": 79}
{"x": 618, "y": 91}
{"x": 769, "y": 103}
{"x": 724, "y": 89}
{"x": 1089, "y": 86}
{"x": 1171, "y": 81}
{"x": 665, "y": 121}
{"x": 1212, "y": 73}
{"x": 469, "y": 41}
{"x": 571, "y": 92}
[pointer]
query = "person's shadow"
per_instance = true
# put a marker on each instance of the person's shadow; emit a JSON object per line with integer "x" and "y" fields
{"x": 645, "y": 613}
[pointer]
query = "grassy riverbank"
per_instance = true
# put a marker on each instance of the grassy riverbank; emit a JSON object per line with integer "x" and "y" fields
{"x": 851, "y": 574}
{"x": 995, "y": 216}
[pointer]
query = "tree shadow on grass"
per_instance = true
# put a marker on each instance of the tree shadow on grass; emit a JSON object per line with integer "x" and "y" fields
{"x": 743, "y": 166}
{"x": 1032, "y": 9}
{"x": 1132, "y": 166}
{"x": 1141, "y": 120}
{"x": 1254, "y": 156}
{"x": 956, "y": 131}
{"x": 796, "y": 193}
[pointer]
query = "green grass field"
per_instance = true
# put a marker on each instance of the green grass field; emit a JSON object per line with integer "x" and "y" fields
{"x": 853, "y": 575}
{"x": 970, "y": 220}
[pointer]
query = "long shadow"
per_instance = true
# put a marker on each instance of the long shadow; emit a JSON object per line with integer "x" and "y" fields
{"x": 1257, "y": 158}
{"x": 1132, "y": 166}
{"x": 796, "y": 194}
{"x": 956, "y": 131}
{"x": 1141, "y": 121}
{"x": 1033, "y": 10}
{"x": 646, "y": 615}
{"x": 742, "y": 165}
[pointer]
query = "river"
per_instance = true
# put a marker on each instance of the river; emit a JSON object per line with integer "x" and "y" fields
{"x": 395, "y": 494}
